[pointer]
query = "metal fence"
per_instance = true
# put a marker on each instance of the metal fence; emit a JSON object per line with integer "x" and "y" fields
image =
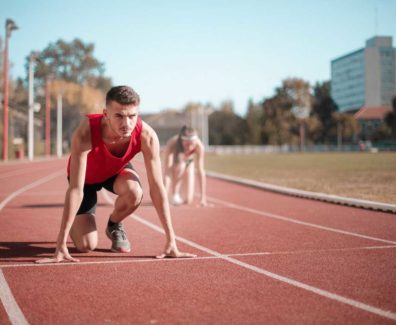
{"x": 251, "y": 149}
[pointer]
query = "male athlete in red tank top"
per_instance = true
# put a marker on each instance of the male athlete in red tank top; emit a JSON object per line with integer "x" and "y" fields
{"x": 101, "y": 150}
{"x": 101, "y": 163}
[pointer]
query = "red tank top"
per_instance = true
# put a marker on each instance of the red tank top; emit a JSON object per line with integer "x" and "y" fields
{"x": 101, "y": 163}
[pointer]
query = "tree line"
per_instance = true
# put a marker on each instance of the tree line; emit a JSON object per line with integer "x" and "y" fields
{"x": 62, "y": 68}
{"x": 295, "y": 106}
{"x": 71, "y": 69}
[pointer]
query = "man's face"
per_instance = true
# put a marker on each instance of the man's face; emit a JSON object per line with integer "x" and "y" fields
{"x": 122, "y": 118}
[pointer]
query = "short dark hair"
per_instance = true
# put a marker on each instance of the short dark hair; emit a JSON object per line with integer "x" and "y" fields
{"x": 123, "y": 95}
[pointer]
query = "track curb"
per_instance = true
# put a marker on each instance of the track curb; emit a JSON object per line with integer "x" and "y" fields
{"x": 364, "y": 204}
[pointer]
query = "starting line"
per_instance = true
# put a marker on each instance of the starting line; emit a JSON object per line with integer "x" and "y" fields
{"x": 212, "y": 257}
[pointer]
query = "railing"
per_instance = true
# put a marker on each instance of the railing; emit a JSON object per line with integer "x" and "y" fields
{"x": 252, "y": 149}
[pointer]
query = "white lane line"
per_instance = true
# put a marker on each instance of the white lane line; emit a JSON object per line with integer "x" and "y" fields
{"x": 46, "y": 193}
{"x": 10, "y": 305}
{"x": 28, "y": 187}
{"x": 153, "y": 259}
{"x": 12, "y": 309}
{"x": 123, "y": 261}
{"x": 305, "y": 251}
{"x": 298, "y": 284}
{"x": 279, "y": 217}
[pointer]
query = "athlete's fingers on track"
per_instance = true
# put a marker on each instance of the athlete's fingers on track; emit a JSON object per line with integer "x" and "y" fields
{"x": 178, "y": 255}
{"x": 47, "y": 261}
{"x": 56, "y": 260}
{"x": 189, "y": 255}
{"x": 208, "y": 205}
{"x": 72, "y": 259}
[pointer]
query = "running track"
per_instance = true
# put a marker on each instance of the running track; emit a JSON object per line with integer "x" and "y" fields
{"x": 263, "y": 258}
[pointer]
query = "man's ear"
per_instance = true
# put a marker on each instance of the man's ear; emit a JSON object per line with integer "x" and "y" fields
{"x": 105, "y": 112}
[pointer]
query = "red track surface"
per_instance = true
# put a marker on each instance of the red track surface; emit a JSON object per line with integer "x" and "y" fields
{"x": 263, "y": 258}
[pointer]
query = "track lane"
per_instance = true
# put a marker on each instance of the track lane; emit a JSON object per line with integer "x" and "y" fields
{"x": 184, "y": 222}
{"x": 371, "y": 223}
{"x": 345, "y": 299}
{"x": 363, "y": 275}
{"x": 210, "y": 291}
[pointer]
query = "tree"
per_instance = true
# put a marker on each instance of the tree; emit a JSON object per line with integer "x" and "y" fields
{"x": 324, "y": 108}
{"x": 298, "y": 90}
{"x": 71, "y": 70}
{"x": 390, "y": 120}
{"x": 280, "y": 123}
{"x": 277, "y": 120}
{"x": 345, "y": 126}
{"x": 72, "y": 62}
{"x": 225, "y": 127}
{"x": 11, "y": 92}
{"x": 313, "y": 128}
{"x": 254, "y": 119}
{"x": 77, "y": 101}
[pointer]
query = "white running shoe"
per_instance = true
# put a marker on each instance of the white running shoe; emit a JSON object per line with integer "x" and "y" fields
{"x": 177, "y": 200}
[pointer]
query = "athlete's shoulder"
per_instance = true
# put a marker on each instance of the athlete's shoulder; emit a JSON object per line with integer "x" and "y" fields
{"x": 148, "y": 138}
{"x": 84, "y": 129}
{"x": 174, "y": 138}
{"x": 82, "y": 135}
{"x": 147, "y": 130}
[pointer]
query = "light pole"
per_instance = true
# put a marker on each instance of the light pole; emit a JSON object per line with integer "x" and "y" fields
{"x": 59, "y": 125}
{"x": 33, "y": 107}
{"x": 205, "y": 112}
{"x": 47, "y": 119}
{"x": 9, "y": 27}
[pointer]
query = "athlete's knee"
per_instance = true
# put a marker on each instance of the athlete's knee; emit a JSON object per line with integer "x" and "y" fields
{"x": 85, "y": 247}
{"x": 134, "y": 197}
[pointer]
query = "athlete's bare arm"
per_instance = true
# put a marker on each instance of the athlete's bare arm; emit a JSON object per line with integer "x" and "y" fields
{"x": 151, "y": 152}
{"x": 201, "y": 172}
{"x": 168, "y": 162}
{"x": 80, "y": 147}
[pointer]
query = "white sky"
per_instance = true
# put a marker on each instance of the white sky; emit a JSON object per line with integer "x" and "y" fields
{"x": 176, "y": 51}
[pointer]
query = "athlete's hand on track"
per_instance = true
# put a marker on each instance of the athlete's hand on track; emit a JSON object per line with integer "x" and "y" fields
{"x": 61, "y": 254}
{"x": 203, "y": 203}
{"x": 171, "y": 250}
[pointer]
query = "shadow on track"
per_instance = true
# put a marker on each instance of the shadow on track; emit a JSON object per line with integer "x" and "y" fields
{"x": 48, "y": 205}
{"x": 30, "y": 251}
{"x": 60, "y": 205}
{"x": 24, "y": 249}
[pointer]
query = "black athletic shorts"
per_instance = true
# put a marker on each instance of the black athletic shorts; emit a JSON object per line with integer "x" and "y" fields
{"x": 88, "y": 204}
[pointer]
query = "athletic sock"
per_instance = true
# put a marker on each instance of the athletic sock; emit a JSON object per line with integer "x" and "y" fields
{"x": 111, "y": 223}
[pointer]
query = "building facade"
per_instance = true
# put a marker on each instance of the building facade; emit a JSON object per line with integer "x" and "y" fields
{"x": 366, "y": 77}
